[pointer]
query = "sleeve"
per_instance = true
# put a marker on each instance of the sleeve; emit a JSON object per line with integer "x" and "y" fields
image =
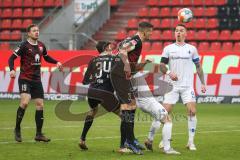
{"x": 48, "y": 58}
{"x": 165, "y": 56}
{"x": 11, "y": 61}
{"x": 16, "y": 53}
{"x": 195, "y": 56}
{"x": 88, "y": 73}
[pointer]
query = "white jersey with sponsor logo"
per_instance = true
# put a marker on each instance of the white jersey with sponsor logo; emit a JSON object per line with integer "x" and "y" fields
{"x": 181, "y": 62}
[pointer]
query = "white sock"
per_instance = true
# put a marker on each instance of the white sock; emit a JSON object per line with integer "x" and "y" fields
{"x": 192, "y": 125}
{"x": 167, "y": 135}
{"x": 154, "y": 128}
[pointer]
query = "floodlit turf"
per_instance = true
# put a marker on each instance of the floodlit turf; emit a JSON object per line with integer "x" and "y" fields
{"x": 218, "y": 135}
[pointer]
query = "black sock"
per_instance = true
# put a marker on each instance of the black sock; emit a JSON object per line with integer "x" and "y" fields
{"x": 128, "y": 118}
{"x": 39, "y": 121}
{"x": 87, "y": 125}
{"x": 19, "y": 117}
{"x": 133, "y": 114}
{"x": 123, "y": 129}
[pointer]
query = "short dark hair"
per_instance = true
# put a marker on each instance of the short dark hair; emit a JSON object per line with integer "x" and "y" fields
{"x": 144, "y": 25}
{"x": 182, "y": 25}
{"x": 101, "y": 46}
{"x": 30, "y": 27}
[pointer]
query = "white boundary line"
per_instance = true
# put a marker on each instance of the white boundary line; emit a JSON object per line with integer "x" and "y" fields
{"x": 116, "y": 137}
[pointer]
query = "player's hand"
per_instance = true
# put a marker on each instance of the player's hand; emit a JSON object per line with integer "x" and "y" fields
{"x": 203, "y": 88}
{"x": 13, "y": 74}
{"x": 128, "y": 75}
{"x": 59, "y": 66}
{"x": 149, "y": 60}
{"x": 173, "y": 76}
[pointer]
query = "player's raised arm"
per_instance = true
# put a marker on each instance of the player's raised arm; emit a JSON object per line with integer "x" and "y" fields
{"x": 49, "y": 59}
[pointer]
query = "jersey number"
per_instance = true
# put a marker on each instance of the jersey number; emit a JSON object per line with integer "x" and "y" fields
{"x": 103, "y": 67}
{"x": 24, "y": 87}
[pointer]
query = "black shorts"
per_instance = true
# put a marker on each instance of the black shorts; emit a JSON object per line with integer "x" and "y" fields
{"x": 106, "y": 98}
{"x": 121, "y": 85}
{"x": 35, "y": 89}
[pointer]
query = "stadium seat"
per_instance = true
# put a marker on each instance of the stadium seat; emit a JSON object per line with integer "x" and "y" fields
{"x": 198, "y": 2}
{"x": 224, "y": 23}
{"x": 174, "y": 11}
{"x": 17, "y": 24}
{"x": 211, "y": 11}
{"x": 163, "y": 3}
{"x": 222, "y": 11}
{"x": 143, "y": 12}
{"x": 176, "y": 2}
{"x": 4, "y": 46}
{"x": 121, "y": 35}
{"x": 16, "y": 35}
{"x": 200, "y": 23}
{"x": 156, "y": 22}
{"x": 193, "y": 43}
{"x": 133, "y": 23}
{"x": 198, "y": 12}
{"x": 7, "y": 3}
{"x": 17, "y": 13}
{"x": 165, "y": 12}
{"x": 132, "y": 32}
{"x": 38, "y": 3}
{"x": 59, "y": 3}
{"x": 166, "y": 23}
{"x": 49, "y": 3}
{"x": 212, "y": 23}
{"x": 213, "y": 35}
{"x": 234, "y": 11}
{"x": 225, "y": 35}
{"x": 6, "y": 13}
{"x": 26, "y": 23}
{"x": 190, "y": 24}
{"x": 157, "y": 46}
{"x": 143, "y": 20}
{"x": 167, "y": 35}
{"x": 220, "y": 2}
{"x": 191, "y": 35}
{"x": 5, "y": 35}
{"x": 235, "y": 23}
{"x": 167, "y": 43}
{"x": 27, "y": 3}
{"x": 17, "y": 3}
{"x": 201, "y": 35}
{"x": 203, "y": 46}
{"x": 215, "y": 46}
{"x": 38, "y": 13}
{"x": 175, "y": 22}
{"x": 187, "y": 2}
{"x": 6, "y": 24}
{"x": 236, "y": 46}
{"x": 154, "y": 12}
{"x": 28, "y": 13}
{"x": 146, "y": 46}
{"x": 209, "y": 2}
{"x": 152, "y": 2}
{"x": 236, "y": 35}
{"x": 227, "y": 46}
{"x": 156, "y": 35}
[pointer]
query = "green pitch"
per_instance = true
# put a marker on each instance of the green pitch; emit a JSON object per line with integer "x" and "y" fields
{"x": 217, "y": 138}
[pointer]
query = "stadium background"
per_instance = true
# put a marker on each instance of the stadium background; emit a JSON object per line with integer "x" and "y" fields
{"x": 70, "y": 28}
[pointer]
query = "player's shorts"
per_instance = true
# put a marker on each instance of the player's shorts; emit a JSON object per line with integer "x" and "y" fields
{"x": 153, "y": 107}
{"x": 106, "y": 98}
{"x": 34, "y": 88}
{"x": 121, "y": 85}
{"x": 187, "y": 95}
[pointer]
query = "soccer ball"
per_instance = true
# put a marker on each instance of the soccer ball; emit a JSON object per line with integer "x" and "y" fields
{"x": 185, "y": 15}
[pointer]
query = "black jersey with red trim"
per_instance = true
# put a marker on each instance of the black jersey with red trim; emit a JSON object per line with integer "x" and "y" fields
{"x": 31, "y": 57}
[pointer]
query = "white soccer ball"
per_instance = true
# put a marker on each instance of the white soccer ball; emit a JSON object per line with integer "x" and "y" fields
{"x": 185, "y": 15}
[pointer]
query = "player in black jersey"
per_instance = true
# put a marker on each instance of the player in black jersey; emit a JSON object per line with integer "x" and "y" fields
{"x": 100, "y": 90}
{"x": 31, "y": 52}
{"x": 129, "y": 52}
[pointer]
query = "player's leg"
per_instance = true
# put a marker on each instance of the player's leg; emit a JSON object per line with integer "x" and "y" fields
{"x": 25, "y": 97}
{"x": 188, "y": 97}
{"x": 93, "y": 103}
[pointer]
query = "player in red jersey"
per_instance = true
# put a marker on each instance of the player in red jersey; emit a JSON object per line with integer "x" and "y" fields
{"x": 31, "y": 52}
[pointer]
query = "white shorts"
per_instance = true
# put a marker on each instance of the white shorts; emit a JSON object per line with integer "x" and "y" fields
{"x": 187, "y": 95}
{"x": 153, "y": 107}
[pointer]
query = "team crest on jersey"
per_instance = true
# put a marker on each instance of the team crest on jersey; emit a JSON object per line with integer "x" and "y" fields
{"x": 37, "y": 58}
{"x": 41, "y": 49}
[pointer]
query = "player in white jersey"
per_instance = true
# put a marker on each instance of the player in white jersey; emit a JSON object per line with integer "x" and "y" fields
{"x": 147, "y": 103}
{"x": 180, "y": 58}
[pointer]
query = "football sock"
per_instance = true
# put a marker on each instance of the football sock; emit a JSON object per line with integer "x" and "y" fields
{"x": 87, "y": 124}
{"x": 123, "y": 128}
{"x": 39, "y": 121}
{"x": 192, "y": 125}
{"x": 133, "y": 113}
{"x": 166, "y": 135}
{"x": 19, "y": 117}
{"x": 153, "y": 129}
{"x": 130, "y": 126}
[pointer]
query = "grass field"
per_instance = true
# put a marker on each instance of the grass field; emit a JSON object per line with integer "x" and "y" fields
{"x": 218, "y": 135}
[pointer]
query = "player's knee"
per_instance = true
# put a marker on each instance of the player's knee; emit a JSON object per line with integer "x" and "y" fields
{"x": 192, "y": 112}
{"x": 39, "y": 105}
{"x": 24, "y": 103}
